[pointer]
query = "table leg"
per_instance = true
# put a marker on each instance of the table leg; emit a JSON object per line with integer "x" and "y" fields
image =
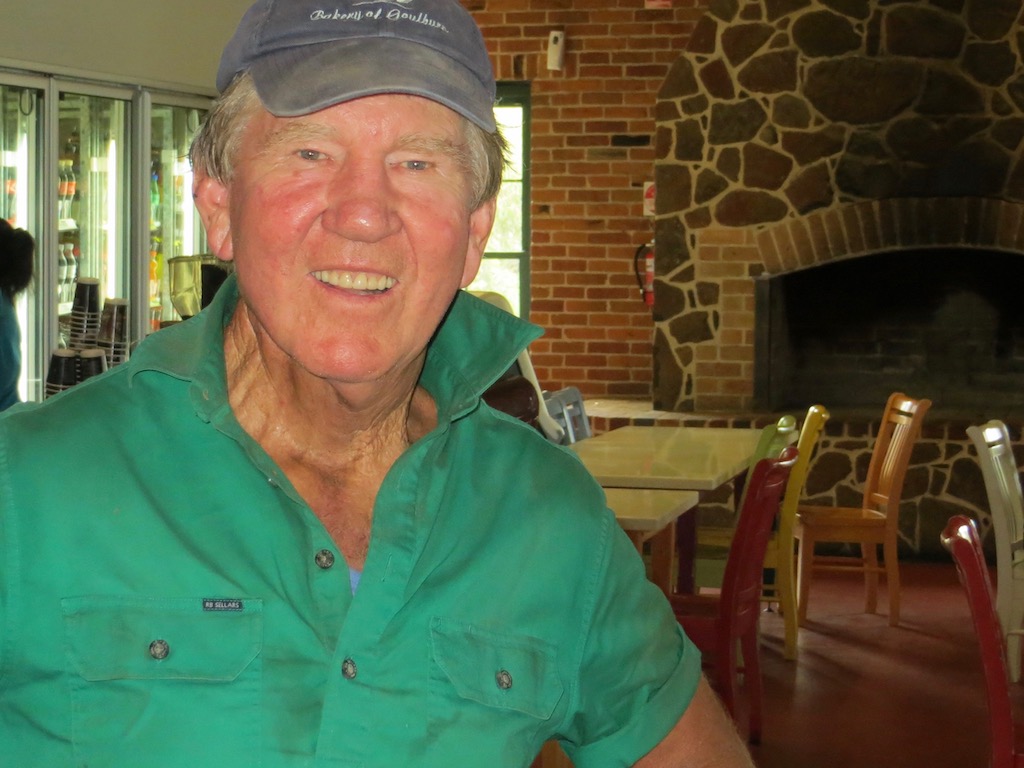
{"x": 686, "y": 546}
{"x": 662, "y": 554}
{"x": 638, "y": 540}
{"x": 662, "y": 546}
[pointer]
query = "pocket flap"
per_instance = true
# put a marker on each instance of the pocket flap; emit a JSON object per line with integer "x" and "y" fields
{"x": 497, "y": 669}
{"x": 111, "y": 638}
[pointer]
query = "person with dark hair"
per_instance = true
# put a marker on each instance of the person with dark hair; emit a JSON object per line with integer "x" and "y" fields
{"x": 17, "y": 249}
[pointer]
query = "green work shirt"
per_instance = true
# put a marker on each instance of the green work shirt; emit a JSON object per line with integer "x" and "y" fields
{"x": 168, "y": 600}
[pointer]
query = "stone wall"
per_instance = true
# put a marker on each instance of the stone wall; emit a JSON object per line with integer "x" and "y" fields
{"x": 795, "y": 131}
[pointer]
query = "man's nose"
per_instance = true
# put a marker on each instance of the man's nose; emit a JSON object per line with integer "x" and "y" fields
{"x": 361, "y": 203}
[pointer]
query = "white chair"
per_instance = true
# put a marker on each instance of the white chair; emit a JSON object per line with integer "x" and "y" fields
{"x": 551, "y": 429}
{"x": 1006, "y": 507}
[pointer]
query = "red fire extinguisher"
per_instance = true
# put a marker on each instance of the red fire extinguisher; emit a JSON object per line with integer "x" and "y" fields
{"x": 643, "y": 266}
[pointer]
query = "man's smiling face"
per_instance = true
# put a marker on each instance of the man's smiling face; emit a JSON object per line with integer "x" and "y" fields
{"x": 350, "y": 231}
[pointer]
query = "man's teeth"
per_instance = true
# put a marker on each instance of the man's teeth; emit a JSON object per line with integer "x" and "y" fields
{"x": 356, "y": 281}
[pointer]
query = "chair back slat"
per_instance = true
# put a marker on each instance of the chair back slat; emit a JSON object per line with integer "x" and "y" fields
{"x": 890, "y": 456}
{"x": 810, "y": 431}
{"x": 1002, "y": 486}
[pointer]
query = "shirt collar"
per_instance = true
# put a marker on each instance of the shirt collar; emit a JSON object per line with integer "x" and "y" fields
{"x": 474, "y": 345}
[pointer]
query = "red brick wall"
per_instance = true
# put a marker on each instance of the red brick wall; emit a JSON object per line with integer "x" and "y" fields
{"x": 592, "y": 150}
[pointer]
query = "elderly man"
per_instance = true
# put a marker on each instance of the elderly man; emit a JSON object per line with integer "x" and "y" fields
{"x": 288, "y": 532}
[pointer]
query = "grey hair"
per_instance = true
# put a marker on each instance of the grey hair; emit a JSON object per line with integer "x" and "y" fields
{"x": 215, "y": 145}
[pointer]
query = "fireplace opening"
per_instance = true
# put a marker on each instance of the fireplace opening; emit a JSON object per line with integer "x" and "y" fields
{"x": 947, "y": 324}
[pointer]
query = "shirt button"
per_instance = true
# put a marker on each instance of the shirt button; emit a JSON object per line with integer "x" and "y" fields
{"x": 349, "y": 669}
{"x": 159, "y": 649}
{"x": 324, "y": 559}
{"x": 504, "y": 679}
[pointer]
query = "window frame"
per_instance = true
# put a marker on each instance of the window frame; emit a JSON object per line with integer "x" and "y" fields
{"x": 517, "y": 93}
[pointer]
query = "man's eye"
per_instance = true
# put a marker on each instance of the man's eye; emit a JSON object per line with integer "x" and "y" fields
{"x": 310, "y": 154}
{"x": 416, "y": 165}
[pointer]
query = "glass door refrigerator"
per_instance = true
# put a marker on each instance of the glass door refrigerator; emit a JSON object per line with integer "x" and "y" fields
{"x": 100, "y": 176}
{"x": 22, "y": 118}
{"x": 175, "y": 233}
{"x": 93, "y": 181}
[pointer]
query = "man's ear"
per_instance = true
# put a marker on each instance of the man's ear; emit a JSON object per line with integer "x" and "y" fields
{"x": 480, "y": 222}
{"x": 212, "y": 201}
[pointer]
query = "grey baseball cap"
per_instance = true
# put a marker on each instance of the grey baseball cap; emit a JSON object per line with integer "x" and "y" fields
{"x": 306, "y": 55}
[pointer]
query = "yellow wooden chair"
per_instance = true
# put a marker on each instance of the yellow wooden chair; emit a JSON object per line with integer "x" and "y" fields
{"x": 780, "y": 557}
{"x": 713, "y": 541}
{"x": 875, "y": 522}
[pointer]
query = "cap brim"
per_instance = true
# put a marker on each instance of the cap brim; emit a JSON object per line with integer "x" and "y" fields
{"x": 305, "y": 79}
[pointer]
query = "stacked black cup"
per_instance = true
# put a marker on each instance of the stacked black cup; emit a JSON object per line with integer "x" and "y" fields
{"x": 63, "y": 371}
{"x": 91, "y": 362}
{"x": 113, "y": 337}
{"x": 85, "y": 314}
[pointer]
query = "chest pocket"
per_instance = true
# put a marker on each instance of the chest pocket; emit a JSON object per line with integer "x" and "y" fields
{"x": 499, "y": 670}
{"x": 160, "y": 677}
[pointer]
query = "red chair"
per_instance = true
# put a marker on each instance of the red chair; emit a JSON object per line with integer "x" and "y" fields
{"x": 720, "y": 623}
{"x": 961, "y": 539}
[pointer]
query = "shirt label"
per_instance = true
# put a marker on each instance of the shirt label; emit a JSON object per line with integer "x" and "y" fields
{"x": 222, "y": 604}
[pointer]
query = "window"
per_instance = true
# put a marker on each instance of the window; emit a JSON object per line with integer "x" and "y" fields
{"x": 506, "y": 265}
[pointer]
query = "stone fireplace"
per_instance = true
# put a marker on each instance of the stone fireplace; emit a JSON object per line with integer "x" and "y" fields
{"x": 947, "y": 321}
{"x": 798, "y": 139}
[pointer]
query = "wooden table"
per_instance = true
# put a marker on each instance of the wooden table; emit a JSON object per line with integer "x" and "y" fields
{"x": 670, "y": 458}
{"x": 678, "y": 458}
{"x": 647, "y": 514}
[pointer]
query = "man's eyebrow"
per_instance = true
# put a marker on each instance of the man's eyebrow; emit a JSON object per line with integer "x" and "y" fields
{"x": 300, "y": 130}
{"x": 295, "y": 131}
{"x": 420, "y": 142}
